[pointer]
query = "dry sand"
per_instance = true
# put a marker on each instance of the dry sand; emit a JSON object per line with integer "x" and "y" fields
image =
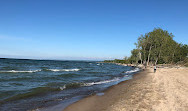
{"x": 166, "y": 90}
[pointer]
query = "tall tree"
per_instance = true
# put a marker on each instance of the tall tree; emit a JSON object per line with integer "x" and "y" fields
{"x": 155, "y": 45}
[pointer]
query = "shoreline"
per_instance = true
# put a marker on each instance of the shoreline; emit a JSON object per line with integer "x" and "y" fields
{"x": 146, "y": 91}
{"x": 63, "y": 105}
{"x": 67, "y": 102}
{"x": 75, "y": 106}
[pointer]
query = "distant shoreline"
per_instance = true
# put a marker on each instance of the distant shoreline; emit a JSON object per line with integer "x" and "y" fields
{"x": 51, "y": 59}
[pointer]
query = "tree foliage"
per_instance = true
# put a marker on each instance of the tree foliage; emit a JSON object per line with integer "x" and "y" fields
{"x": 157, "y": 47}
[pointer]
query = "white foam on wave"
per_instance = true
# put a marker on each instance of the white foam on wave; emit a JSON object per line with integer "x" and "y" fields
{"x": 62, "y": 88}
{"x": 101, "y": 82}
{"x": 56, "y": 70}
{"x": 134, "y": 70}
{"x": 14, "y": 71}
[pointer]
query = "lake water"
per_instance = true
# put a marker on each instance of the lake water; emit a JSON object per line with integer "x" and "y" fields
{"x": 32, "y": 84}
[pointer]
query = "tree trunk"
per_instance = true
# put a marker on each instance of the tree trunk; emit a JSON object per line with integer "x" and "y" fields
{"x": 140, "y": 56}
{"x": 158, "y": 57}
{"x": 144, "y": 57}
{"x": 156, "y": 61}
{"x": 144, "y": 53}
{"x": 149, "y": 56}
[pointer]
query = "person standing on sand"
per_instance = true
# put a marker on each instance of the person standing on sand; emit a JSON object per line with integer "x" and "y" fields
{"x": 155, "y": 68}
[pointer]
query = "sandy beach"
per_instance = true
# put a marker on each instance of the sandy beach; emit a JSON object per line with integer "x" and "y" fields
{"x": 165, "y": 90}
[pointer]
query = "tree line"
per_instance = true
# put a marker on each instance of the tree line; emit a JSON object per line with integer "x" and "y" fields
{"x": 157, "y": 47}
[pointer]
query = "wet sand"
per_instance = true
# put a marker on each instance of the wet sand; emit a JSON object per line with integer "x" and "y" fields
{"x": 166, "y": 90}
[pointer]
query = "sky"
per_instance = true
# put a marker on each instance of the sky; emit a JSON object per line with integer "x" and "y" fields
{"x": 85, "y": 29}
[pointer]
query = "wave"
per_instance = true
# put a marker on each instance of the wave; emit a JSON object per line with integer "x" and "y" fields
{"x": 45, "y": 90}
{"x": 32, "y": 71}
{"x": 72, "y": 85}
{"x": 76, "y": 85}
{"x": 102, "y": 82}
{"x": 14, "y": 71}
{"x": 132, "y": 71}
{"x": 57, "y": 70}
{"x": 34, "y": 92}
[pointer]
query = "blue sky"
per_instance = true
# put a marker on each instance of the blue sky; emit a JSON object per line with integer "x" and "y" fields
{"x": 85, "y": 29}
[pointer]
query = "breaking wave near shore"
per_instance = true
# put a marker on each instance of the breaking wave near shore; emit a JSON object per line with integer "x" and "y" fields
{"x": 33, "y": 71}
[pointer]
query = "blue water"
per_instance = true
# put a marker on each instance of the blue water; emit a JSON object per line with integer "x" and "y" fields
{"x": 31, "y": 84}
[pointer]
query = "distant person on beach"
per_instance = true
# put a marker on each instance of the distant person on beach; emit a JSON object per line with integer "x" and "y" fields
{"x": 155, "y": 68}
